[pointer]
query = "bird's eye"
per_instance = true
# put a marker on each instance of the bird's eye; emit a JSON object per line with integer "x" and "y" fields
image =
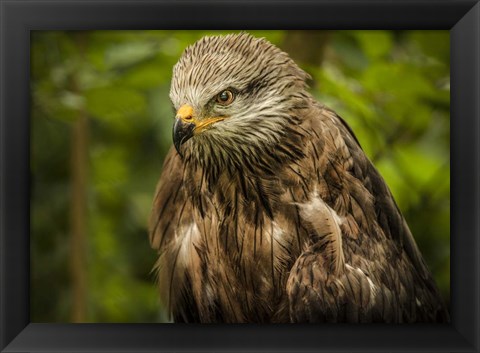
{"x": 225, "y": 97}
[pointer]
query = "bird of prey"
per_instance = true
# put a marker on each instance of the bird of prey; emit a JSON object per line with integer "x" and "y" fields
{"x": 268, "y": 210}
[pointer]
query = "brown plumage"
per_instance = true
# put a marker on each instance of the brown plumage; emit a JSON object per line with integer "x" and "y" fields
{"x": 268, "y": 210}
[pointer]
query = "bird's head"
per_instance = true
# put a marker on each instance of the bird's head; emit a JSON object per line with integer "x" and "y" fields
{"x": 232, "y": 94}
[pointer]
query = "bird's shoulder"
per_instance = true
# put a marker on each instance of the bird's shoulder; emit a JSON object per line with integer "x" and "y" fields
{"x": 360, "y": 255}
{"x": 337, "y": 171}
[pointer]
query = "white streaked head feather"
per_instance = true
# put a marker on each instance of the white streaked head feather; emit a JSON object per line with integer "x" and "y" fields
{"x": 266, "y": 82}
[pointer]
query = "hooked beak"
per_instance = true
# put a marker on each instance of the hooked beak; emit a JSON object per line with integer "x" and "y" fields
{"x": 183, "y": 127}
{"x": 186, "y": 125}
{"x": 182, "y": 131}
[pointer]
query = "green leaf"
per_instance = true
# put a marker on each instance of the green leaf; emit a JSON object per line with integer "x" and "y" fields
{"x": 417, "y": 163}
{"x": 375, "y": 44}
{"x": 145, "y": 76}
{"x": 115, "y": 106}
{"x": 127, "y": 54}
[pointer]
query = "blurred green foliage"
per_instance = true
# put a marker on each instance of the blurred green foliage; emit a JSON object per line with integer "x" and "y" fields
{"x": 392, "y": 87}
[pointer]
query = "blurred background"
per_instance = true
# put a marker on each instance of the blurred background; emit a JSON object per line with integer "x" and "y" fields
{"x": 101, "y": 125}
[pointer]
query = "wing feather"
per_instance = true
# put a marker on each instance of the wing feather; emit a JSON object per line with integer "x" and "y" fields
{"x": 170, "y": 222}
{"x": 361, "y": 258}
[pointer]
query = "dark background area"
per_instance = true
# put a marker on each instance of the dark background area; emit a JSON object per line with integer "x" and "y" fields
{"x": 101, "y": 125}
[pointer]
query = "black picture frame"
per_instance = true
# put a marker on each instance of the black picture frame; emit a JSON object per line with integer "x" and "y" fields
{"x": 19, "y": 17}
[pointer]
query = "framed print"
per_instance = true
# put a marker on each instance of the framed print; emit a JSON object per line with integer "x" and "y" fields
{"x": 271, "y": 207}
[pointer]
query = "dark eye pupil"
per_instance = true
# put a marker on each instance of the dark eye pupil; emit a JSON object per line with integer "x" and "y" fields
{"x": 224, "y": 96}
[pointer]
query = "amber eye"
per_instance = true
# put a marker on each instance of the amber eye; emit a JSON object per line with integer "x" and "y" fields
{"x": 225, "y": 97}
